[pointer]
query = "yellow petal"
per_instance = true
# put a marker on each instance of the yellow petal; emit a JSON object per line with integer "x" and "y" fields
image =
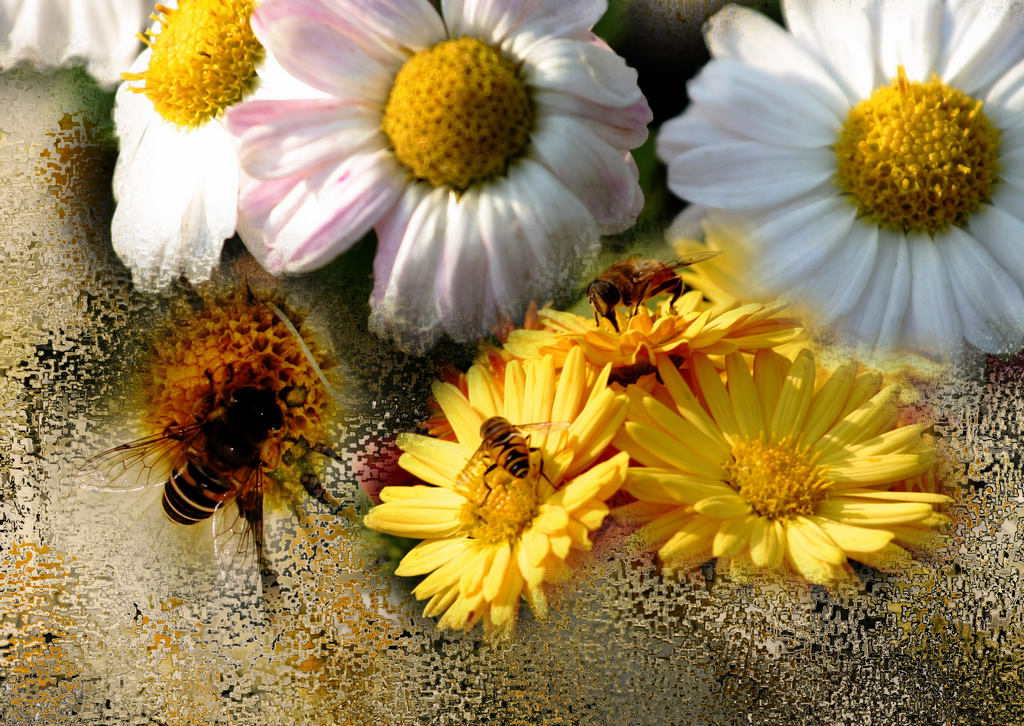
{"x": 595, "y": 427}
{"x": 668, "y": 450}
{"x": 689, "y": 407}
{"x": 538, "y": 603}
{"x": 859, "y": 425}
{"x": 540, "y": 383}
{"x": 417, "y": 518}
{"x": 515, "y": 392}
{"x": 723, "y": 507}
{"x": 671, "y": 486}
{"x": 884, "y": 468}
{"x": 505, "y": 602}
{"x": 660, "y": 529}
{"x": 828, "y": 403}
{"x": 873, "y": 514}
{"x": 560, "y": 545}
{"x": 535, "y": 546}
{"x": 691, "y": 544}
{"x": 853, "y": 539}
{"x": 795, "y": 397}
{"x": 448, "y": 574}
{"x": 715, "y": 395}
{"x": 865, "y": 387}
{"x": 465, "y": 422}
{"x": 770, "y": 370}
{"x": 746, "y": 406}
{"x": 592, "y": 515}
{"x": 569, "y": 396}
{"x": 901, "y": 440}
{"x": 498, "y": 571}
{"x": 472, "y": 578}
{"x": 814, "y": 540}
{"x": 598, "y": 482}
{"x": 891, "y": 558}
{"x": 732, "y": 536}
{"x": 484, "y": 395}
{"x": 639, "y": 513}
{"x": 897, "y": 496}
{"x": 551, "y": 519}
{"x": 712, "y": 449}
{"x": 532, "y": 574}
{"x": 766, "y": 543}
{"x": 428, "y": 555}
{"x": 440, "y": 602}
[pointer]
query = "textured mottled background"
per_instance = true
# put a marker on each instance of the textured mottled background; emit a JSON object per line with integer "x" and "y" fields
{"x": 108, "y": 614}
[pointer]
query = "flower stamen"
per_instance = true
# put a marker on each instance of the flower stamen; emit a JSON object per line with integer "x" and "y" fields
{"x": 779, "y": 480}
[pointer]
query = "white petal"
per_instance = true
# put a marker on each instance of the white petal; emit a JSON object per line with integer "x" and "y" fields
{"x": 758, "y": 106}
{"x": 593, "y": 171}
{"x": 797, "y": 239}
{"x": 1001, "y": 234}
{"x": 933, "y": 322}
{"x": 690, "y": 130}
{"x": 582, "y": 69}
{"x": 742, "y": 34}
{"x": 835, "y": 287}
{"x": 463, "y": 298}
{"x": 748, "y": 175}
{"x": 990, "y": 303}
{"x": 177, "y": 203}
{"x": 523, "y": 23}
{"x": 840, "y": 34}
{"x": 985, "y": 40}
{"x": 877, "y": 319}
{"x": 624, "y": 127}
{"x": 909, "y": 35}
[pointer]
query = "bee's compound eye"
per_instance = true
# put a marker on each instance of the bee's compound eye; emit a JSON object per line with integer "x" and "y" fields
{"x": 602, "y": 294}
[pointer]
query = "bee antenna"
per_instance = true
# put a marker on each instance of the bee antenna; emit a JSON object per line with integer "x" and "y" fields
{"x": 305, "y": 350}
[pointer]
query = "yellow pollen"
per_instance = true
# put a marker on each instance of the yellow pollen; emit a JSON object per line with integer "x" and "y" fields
{"x": 499, "y": 506}
{"x": 777, "y": 479}
{"x": 458, "y": 113}
{"x": 204, "y": 60}
{"x": 917, "y": 156}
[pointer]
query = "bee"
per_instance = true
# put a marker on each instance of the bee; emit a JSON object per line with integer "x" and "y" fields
{"x": 222, "y": 454}
{"x": 634, "y": 280}
{"x": 505, "y": 448}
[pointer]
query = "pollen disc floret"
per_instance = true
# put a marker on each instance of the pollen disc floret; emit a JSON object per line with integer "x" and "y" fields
{"x": 458, "y": 113}
{"x": 776, "y": 470}
{"x": 204, "y": 59}
{"x": 490, "y": 538}
{"x": 203, "y": 357}
{"x": 917, "y": 155}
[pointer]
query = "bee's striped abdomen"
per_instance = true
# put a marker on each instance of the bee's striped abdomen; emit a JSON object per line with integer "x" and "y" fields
{"x": 192, "y": 494}
{"x": 506, "y": 445}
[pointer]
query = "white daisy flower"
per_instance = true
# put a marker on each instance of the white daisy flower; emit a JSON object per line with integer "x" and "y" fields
{"x": 100, "y": 34}
{"x": 875, "y": 153}
{"x": 487, "y": 145}
{"x": 176, "y": 179}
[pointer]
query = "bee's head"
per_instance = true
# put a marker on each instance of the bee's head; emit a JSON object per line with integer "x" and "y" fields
{"x": 256, "y": 409}
{"x": 603, "y": 296}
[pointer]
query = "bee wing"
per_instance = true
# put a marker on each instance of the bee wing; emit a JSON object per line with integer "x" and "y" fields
{"x": 238, "y": 529}
{"x": 538, "y": 432}
{"x": 685, "y": 260}
{"x": 141, "y": 463}
{"x": 475, "y": 467}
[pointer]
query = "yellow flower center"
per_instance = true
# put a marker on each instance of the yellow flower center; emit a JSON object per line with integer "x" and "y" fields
{"x": 204, "y": 60}
{"x": 499, "y": 506}
{"x": 458, "y": 113}
{"x": 779, "y": 480}
{"x": 917, "y": 156}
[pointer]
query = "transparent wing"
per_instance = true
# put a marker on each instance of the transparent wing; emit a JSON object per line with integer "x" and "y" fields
{"x": 472, "y": 472}
{"x": 539, "y": 434}
{"x": 138, "y": 464}
{"x": 238, "y": 528}
{"x": 692, "y": 258}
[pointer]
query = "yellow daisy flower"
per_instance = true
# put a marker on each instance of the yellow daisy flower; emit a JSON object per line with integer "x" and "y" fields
{"x": 490, "y": 538}
{"x": 648, "y": 335}
{"x": 779, "y": 468}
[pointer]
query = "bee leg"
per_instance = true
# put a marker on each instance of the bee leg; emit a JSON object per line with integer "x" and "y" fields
{"x": 325, "y": 450}
{"x": 612, "y": 320}
{"x": 675, "y": 286}
{"x": 641, "y": 297}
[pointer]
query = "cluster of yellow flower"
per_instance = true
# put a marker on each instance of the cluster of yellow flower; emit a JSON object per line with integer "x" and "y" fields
{"x": 719, "y": 432}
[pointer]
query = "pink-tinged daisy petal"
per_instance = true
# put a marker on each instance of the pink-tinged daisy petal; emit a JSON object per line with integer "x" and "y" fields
{"x": 464, "y": 257}
{"x": 624, "y": 127}
{"x": 757, "y": 106}
{"x": 403, "y": 299}
{"x": 933, "y": 321}
{"x": 985, "y": 41}
{"x": 910, "y": 35}
{"x": 286, "y": 137}
{"x": 841, "y": 35}
{"x": 328, "y": 212}
{"x": 748, "y": 175}
{"x": 595, "y": 173}
{"x": 584, "y": 70}
{"x": 742, "y": 34}
{"x": 319, "y": 54}
{"x": 519, "y": 22}
{"x": 990, "y": 303}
